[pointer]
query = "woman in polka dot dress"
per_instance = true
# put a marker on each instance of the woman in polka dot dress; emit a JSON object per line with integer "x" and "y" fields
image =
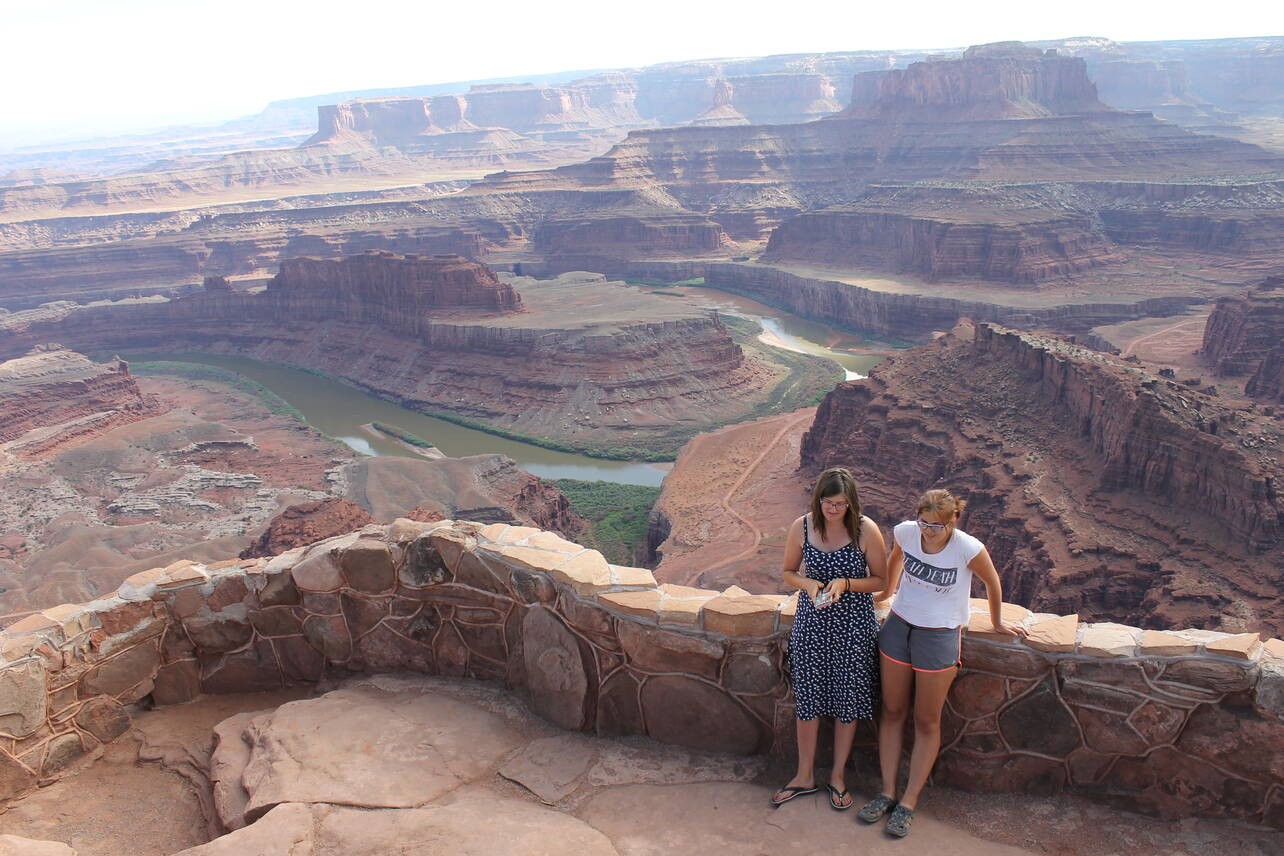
{"x": 833, "y": 649}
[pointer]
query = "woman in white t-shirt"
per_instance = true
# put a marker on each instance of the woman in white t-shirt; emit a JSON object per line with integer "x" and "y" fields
{"x": 930, "y": 571}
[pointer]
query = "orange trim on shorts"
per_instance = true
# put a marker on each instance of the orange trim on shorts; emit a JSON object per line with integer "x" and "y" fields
{"x": 893, "y": 659}
{"x": 958, "y": 662}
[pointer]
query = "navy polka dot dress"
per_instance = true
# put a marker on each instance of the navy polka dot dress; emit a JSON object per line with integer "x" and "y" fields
{"x": 833, "y": 652}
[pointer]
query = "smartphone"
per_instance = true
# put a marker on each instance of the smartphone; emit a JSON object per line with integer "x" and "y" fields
{"x": 823, "y": 599}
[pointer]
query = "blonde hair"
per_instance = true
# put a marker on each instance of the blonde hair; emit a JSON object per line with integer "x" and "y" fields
{"x": 836, "y": 480}
{"x": 941, "y": 501}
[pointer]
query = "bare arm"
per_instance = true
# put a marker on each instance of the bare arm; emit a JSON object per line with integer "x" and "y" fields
{"x": 793, "y": 559}
{"x": 983, "y": 566}
{"x": 895, "y": 564}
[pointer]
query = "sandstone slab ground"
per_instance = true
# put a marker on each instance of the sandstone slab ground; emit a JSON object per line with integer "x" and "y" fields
{"x": 482, "y": 774}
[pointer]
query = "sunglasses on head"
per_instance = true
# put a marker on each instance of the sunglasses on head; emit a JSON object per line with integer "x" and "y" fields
{"x": 932, "y": 527}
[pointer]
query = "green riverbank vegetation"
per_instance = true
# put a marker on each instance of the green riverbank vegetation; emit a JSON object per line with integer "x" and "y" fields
{"x": 617, "y": 516}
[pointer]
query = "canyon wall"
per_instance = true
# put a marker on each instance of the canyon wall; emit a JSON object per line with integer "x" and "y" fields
{"x": 1097, "y": 486}
{"x": 1245, "y": 336}
{"x": 913, "y": 316}
{"x": 1181, "y": 723}
{"x": 1004, "y": 80}
{"x": 164, "y": 263}
{"x": 52, "y": 395}
{"x": 590, "y": 362}
{"x": 988, "y": 246}
{"x": 386, "y": 289}
{"x": 672, "y": 234}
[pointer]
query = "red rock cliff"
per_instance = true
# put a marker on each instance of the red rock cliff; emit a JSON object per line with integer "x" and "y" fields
{"x": 1005, "y": 80}
{"x": 385, "y": 288}
{"x": 593, "y": 362}
{"x": 1097, "y": 486}
{"x": 1244, "y": 330}
{"x": 1015, "y": 247}
{"x": 56, "y": 387}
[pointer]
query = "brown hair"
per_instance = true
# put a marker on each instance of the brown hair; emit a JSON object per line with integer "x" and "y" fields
{"x": 940, "y": 501}
{"x": 833, "y": 481}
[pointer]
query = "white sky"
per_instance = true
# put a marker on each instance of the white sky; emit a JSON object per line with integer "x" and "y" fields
{"x": 97, "y": 63}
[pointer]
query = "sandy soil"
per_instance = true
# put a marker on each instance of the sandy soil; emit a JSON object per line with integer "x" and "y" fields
{"x": 730, "y": 498}
{"x": 1170, "y": 342}
{"x": 190, "y": 482}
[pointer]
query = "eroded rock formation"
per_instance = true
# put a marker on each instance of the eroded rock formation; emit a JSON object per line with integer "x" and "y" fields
{"x": 53, "y": 397}
{"x": 306, "y": 522}
{"x": 385, "y": 289}
{"x": 1097, "y": 486}
{"x": 588, "y": 361}
{"x": 1245, "y": 336}
{"x": 1004, "y": 80}
{"x": 999, "y": 246}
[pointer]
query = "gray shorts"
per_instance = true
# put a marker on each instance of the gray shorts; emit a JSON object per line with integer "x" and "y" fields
{"x": 924, "y": 649}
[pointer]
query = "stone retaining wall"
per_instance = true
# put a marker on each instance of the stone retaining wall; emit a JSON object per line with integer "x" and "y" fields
{"x": 1180, "y": 723}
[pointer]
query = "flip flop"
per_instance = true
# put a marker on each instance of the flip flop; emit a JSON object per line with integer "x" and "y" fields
{"x": 790, "y": 793}
{"x": 880, "y": 805}
{"x": 835, "y": 799}
{"x": 899, "y": 823}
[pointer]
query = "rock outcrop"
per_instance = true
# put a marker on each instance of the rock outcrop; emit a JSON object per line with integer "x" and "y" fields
{"x": 1004, "y": 80}
{"x": 1000, "y": 125}
{"x": 485, "y": 488}
{"x": 916, "y": 316}
{"x": 385, "y": 289}
{"x": 627, "y": 237}
{"x": 170, "y": 257}
{"x": 591, "y": 362}
{"x": 305, "y": 523}
{"x": 1097, "y": 486}
{"x": 52, "y": 397}
{"x": 993, "y": 245}
{"x": 1245, "y": 336}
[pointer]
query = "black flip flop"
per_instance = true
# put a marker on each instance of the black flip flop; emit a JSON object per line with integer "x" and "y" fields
{"x": 790, "y": 793}
{"x": 835, "y": 795}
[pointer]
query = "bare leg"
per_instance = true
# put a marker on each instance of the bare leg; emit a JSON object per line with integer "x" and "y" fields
{"x": 930, "y": 689}
{"x": 897, "y": 680}
{"x": 806, "y": 774}
{"x": 844, "y": 736}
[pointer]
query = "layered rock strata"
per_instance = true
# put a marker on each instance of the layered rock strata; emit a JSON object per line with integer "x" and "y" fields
{"x": 165, "y": 263}
{"x": 1004, "y": 80}
{"x": 987, "y": 116}
{"x": 383, "y": 288}
{"x": 1097, "y": 486}
{"x": 1181, "y": 723}
{"x": 306, "y": 523}
{"x": 484, "y": 488}
{"x": 1245, "y": 336}
{"x": 53, "y": 396}
{"x": 987, "y": 245}
{"x": 916, "y": 316}
{"x": 589, "y": 361}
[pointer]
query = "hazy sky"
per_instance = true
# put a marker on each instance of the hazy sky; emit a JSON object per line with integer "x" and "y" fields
{"x": 91, "y": 64}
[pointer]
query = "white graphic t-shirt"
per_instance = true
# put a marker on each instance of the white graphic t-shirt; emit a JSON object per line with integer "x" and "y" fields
{"x": 934, "y": 587}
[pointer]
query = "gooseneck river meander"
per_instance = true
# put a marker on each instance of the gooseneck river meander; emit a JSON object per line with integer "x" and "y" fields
{"x": 341, "y": 411}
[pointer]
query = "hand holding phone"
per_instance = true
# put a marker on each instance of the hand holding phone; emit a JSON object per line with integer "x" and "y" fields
{"x": 823, "y": 598}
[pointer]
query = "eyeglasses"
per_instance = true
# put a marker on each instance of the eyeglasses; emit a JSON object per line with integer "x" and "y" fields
{"x": 834, "y": 506}
{"x": 932, "y": 527}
